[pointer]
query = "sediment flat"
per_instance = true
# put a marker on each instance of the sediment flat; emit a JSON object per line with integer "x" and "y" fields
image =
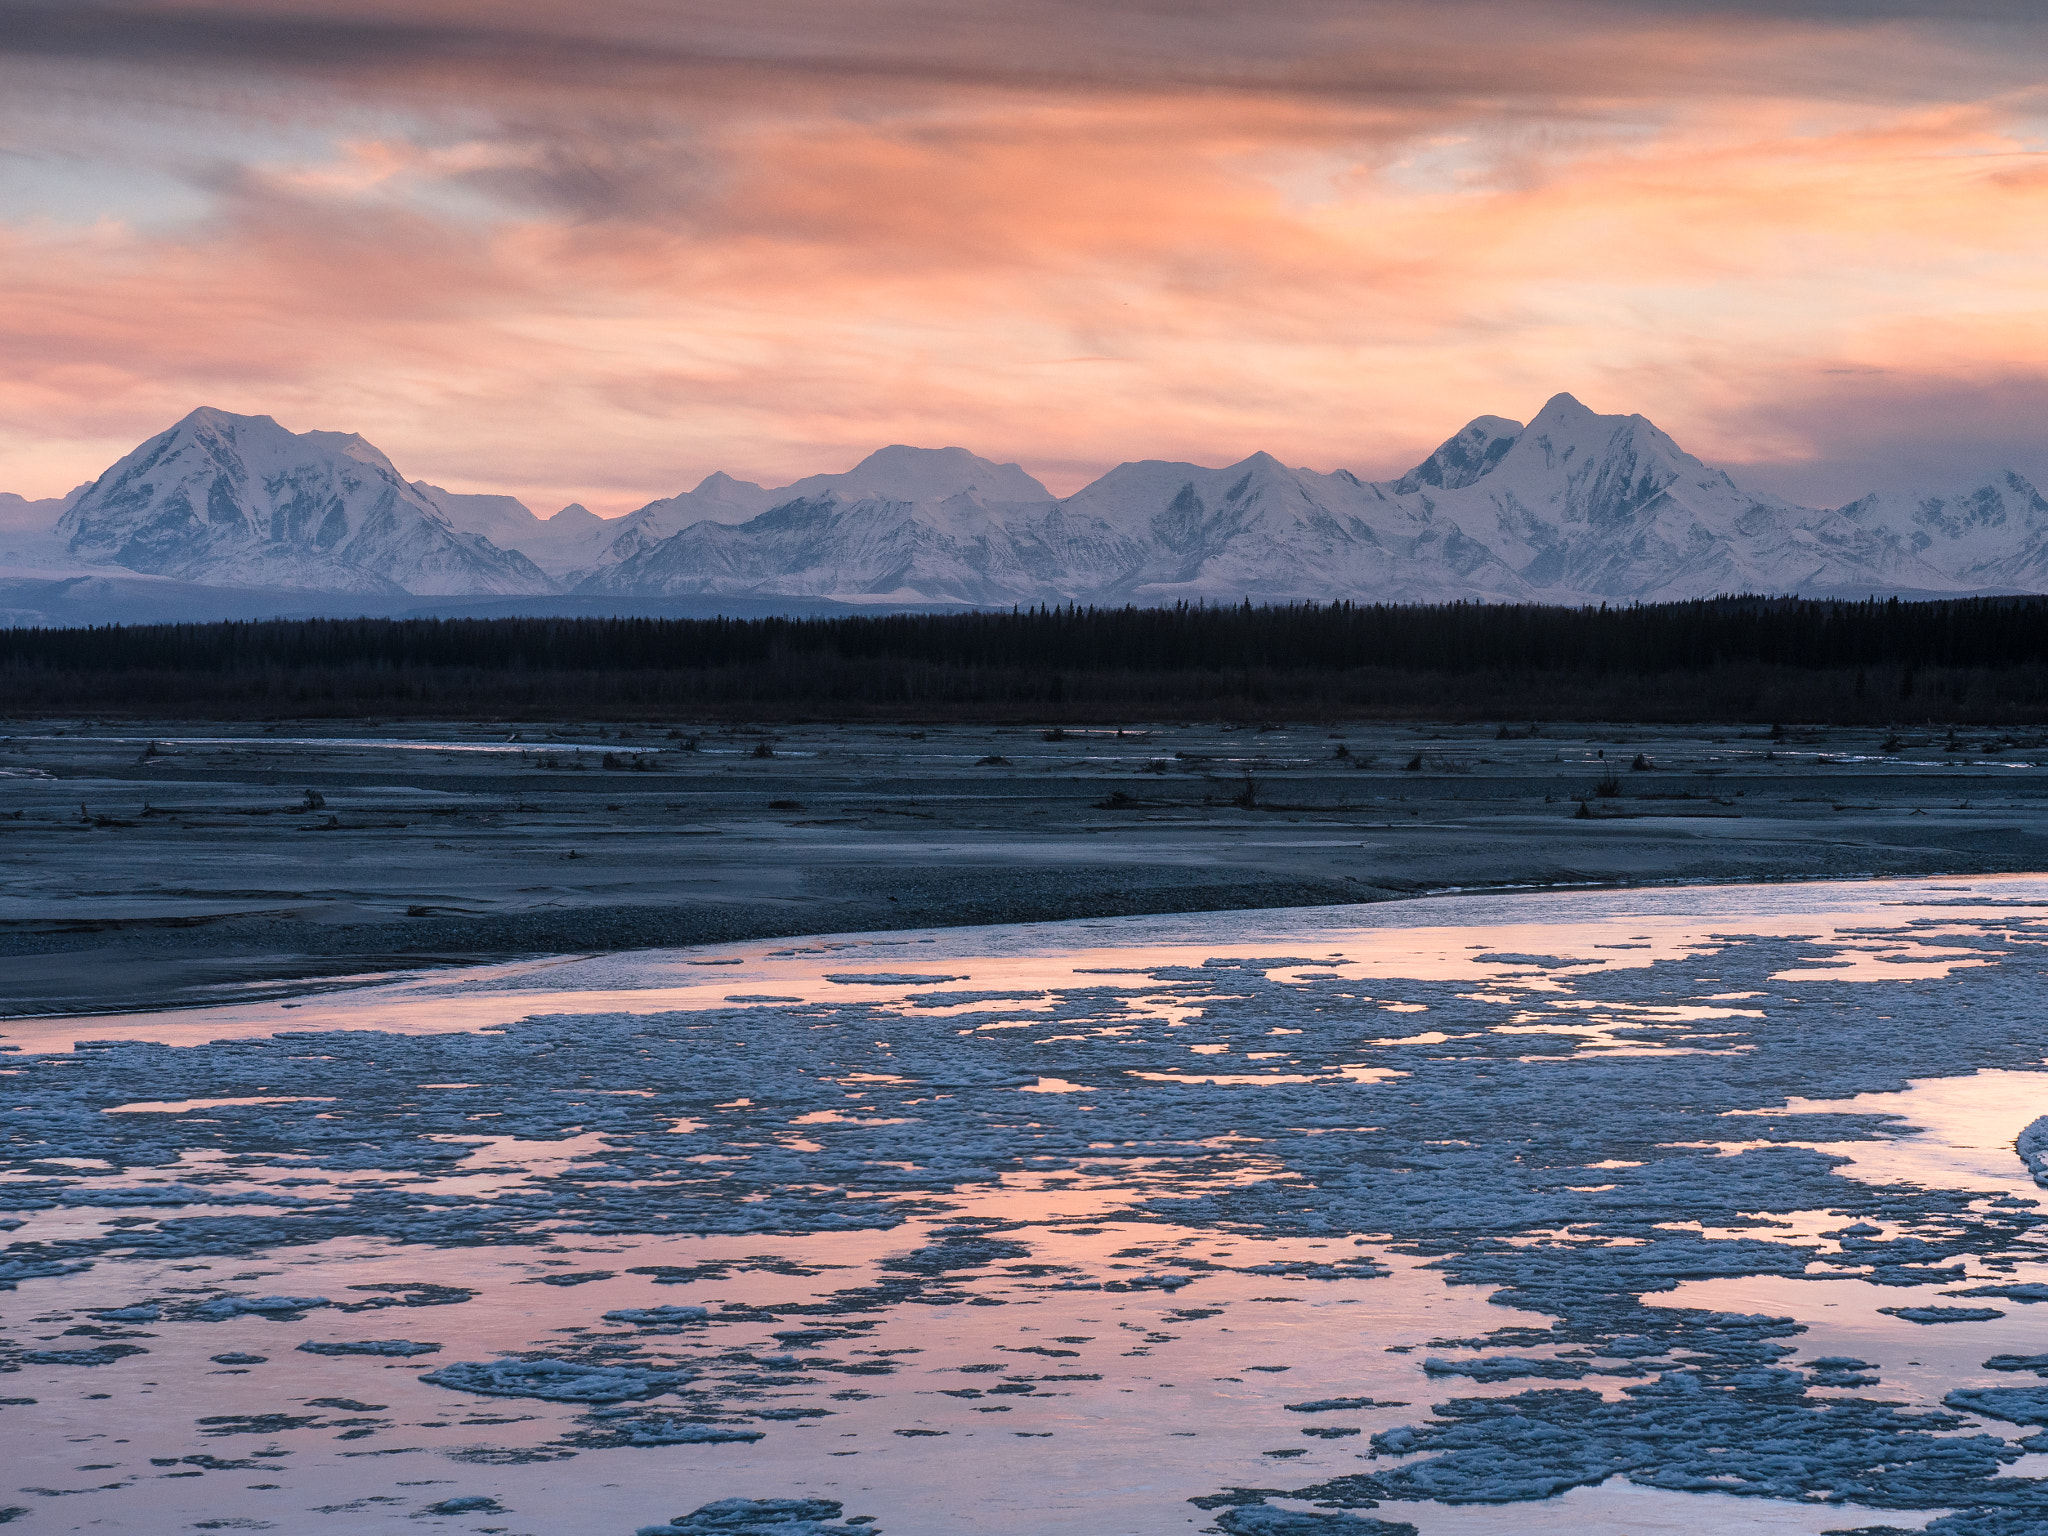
{"x": 164, "y": 863}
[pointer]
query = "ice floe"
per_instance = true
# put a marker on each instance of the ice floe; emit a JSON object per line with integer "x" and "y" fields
{"x": 763, "y": 1517}
{"x": 657, "y": 1315}
{"x": 559, "y": 1381}
{"x": 400, "y": 1348}
{"x": 1565, "y": 1148}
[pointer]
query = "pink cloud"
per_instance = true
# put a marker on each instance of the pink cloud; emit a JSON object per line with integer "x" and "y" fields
{"x": 596, "y": 258}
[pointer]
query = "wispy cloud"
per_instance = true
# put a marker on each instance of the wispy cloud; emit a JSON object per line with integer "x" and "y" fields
{"x": 594, "y": 252}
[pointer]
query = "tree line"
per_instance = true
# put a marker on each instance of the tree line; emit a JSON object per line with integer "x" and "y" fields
{"x": 1960, "y": 660}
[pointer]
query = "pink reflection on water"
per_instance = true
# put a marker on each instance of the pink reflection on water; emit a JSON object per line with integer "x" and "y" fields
{"x": 1535, "y": 945}
{"x": 1141, "y": 1385}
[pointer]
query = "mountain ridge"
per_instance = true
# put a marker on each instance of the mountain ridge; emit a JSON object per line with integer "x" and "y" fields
{"x": 1572, "y": 507}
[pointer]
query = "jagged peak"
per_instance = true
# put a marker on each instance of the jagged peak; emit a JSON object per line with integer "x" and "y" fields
{"x": 1565, "y": 417}
{"x": 1564, "y": 409}
{"x": 1566, "y": 429}
{"x": 1467, "y": 455}
{"x": 1261, "y": 461}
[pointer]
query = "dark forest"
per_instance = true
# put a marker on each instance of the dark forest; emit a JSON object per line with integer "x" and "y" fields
{"x": 1980, "y": 660}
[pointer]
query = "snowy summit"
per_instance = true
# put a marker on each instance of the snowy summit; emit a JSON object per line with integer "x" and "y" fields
{"x": 1573, "y": 507}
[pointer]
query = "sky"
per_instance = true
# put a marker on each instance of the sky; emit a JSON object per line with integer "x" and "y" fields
{"x": 594, "y": 252}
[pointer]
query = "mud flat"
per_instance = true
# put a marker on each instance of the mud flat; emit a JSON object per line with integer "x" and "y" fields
{"x": 152, "y": 864}
{"x": 1697, "y": 1209}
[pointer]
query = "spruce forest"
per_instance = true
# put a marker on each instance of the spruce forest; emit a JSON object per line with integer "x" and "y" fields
{"x": 1973, "y": 661}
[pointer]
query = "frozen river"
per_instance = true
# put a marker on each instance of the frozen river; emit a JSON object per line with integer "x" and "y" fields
{"x": 1686, "y": 1210}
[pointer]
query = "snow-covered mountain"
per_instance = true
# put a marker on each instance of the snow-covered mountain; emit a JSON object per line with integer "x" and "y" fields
{"x": 1574, "y": 507}
{"x": 1991, "y": 534}
{"x": 896, "y": 474}
{"x": 28, "y": 532}
{"x": 904, "y": 525}
{"x": 238, "y": 501}
{"x": 1261, "y": 529}
{"x": 717, "y": 499}
{"x": 1584, "y": 506}
{"x": 572, "y": 539}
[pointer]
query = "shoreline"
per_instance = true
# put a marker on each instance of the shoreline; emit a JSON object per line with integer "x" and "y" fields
{"x": 404, "y": 967}
{"x": 186, "y": 862}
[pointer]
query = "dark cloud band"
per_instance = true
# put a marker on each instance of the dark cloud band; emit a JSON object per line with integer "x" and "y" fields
{"x": 1385, "y": 49}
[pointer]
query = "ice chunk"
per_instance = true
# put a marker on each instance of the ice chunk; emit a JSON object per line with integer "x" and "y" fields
{"x": 2032, "y": 1146}
{"x": 99, "y": 1354}
{"x": 2038, "y": 1364}
{"x": 1506, "y": 1367}
{"x": 2015, "y": 1405}
{"x": 558, "y": 1381}
{"x": 18, "y": 1267}
{"x": 1943, "y": 1314}
{"x": 889, "y": 979}
{"x": 1264, "y": 1520}
{"x": 177, "y": 1194}
{"x": 368, "y": 1347}
{"x": 1629, "y": 1346}
{"x": 281, "y": 1308}
{"x": 662, "y": 1314}
{"x": 1355, "y": 1267}
{"x": 1840, "y": 1371}
{"x": 1334, "y": 1404}
{"x": 2030, "y": 1290}
{"x": 761, "y": 1517}
{"x": 1150, "y": 1283}
{"x": 957, "y": 1250}
{"x": 657, "y": 1430}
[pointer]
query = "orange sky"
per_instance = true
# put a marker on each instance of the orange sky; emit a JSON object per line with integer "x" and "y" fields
{"x": 595, "y": 252}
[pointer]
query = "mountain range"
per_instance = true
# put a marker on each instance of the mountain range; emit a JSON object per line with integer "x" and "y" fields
{"x": 1574, "y": 507}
